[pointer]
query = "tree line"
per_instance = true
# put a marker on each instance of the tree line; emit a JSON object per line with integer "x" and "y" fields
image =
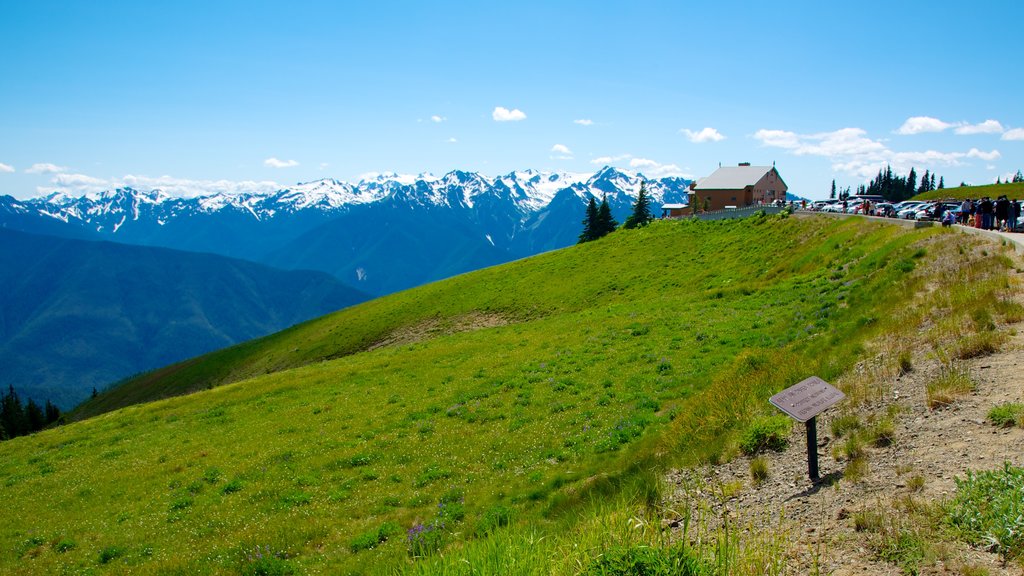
{"x": 599, "y": 221}
{"x": 894, "y": 187}
{"x": 20, "y": 419}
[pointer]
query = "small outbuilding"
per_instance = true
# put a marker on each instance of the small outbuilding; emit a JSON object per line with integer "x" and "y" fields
{"x": 738, "y": 186}
{"x": 674, "y": 210}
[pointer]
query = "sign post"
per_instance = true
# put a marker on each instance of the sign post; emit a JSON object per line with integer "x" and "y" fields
{"x": 803, "y": 401}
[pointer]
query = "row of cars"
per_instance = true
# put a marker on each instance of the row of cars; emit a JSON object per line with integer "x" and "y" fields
{"x": 877, "y": 206}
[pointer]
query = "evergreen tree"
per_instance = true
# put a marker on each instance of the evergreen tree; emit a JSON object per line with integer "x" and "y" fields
{"x": 908, "y": 189}
{"x": 52, "y": 413}
{"x": 34, "y": 416}
{"x": 1018, "y": 177}
{"x": 931, "y": 183}
{"x": 998, "y": 181}
{"x": 12, "y": 415}
{"x": 942, "y": 182}
{"x": 606, "y": 224}
{"x": 833, "y": 194}
{"x": 589, "y": 223}
{"x": 925, "y": 180}
{"x": 641, "y": 215}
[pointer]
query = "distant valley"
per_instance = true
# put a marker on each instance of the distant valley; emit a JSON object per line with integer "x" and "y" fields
{"x": 77, "y": 315}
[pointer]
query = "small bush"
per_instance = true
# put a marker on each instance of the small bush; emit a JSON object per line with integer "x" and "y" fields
{"x": 1007, "y": 415}
{"x": 263, "y": 561}
{"x": 978, "y": 344}
{"x": 371, "y": 538}
{"x": 110, "y": 553}
{"x": 987, "y": 510}
{"x": 296, "y": 498}
{"x": 842, "y": 425}
{"x": 231, "y": 487}
{"x": 646, "y": 560}
{"x": 953, "y": 383}
{"x": 494, "y": 518}
{"x": 905, "y": 364}
{"x": 766, "y": 433}
{"x": 882, "y": 432}
{"x": 903, "y": 548}
{"x": 856, "y": 468}
{"x": 916, "y": 484}
{"x": 759, "y": 469}
{"x": 424, "y": 539}
{"x": 64, "y": 545}
{"x": 868, "y": 520}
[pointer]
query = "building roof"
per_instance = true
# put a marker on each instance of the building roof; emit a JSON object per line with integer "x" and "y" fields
{"x": 672, "y": 206}
{"x": 732, "y": 178}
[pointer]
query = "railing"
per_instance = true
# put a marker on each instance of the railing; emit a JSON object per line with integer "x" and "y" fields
{"x": 728, "y": 213}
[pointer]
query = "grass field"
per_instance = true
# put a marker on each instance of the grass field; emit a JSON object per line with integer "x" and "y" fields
{"x": 431, "y": 418}
{"x": 1012, "y": 190}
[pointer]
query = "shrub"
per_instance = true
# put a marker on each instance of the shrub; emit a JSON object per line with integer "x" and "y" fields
{"x": 759, "y": 469}
{"x": 953, "y": 383}
{"x": 766, "y": 433}
{"x": 841, "y": 425}
{"x": 493, "y": 518}
{"x": 424, "y": 539}
{"x": 231, "y": 487}
{"x": 262, "y": 561}
{"x": 64, "y": 545}
{"x": 649, "y": 561}
{"x": 987, "y": 510}
{"x": 371, "y": 538}
{"x": 110, "y": 553}
{"x": 1007, "y": 415}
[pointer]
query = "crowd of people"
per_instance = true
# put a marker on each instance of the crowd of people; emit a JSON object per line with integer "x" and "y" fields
{"x": 987, "y": 214}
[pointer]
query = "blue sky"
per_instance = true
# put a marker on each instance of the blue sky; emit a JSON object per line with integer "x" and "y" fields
{"x": 197, "y": 97}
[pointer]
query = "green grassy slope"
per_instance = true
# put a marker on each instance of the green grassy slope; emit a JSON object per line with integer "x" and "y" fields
{"x": 524, "y": 387}
{"x": 1011, "y": 190}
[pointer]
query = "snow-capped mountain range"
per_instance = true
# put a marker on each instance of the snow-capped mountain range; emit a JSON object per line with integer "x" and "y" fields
{"x": 381, "y": 234}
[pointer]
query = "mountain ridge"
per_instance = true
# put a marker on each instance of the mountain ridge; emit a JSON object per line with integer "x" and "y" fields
{"x": 409, "y": 230}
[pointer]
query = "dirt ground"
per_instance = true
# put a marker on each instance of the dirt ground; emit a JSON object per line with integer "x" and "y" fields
{"x": 933, "y": 445}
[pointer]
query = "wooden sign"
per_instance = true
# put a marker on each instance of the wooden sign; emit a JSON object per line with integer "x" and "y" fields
{"x": 807, "y": 398}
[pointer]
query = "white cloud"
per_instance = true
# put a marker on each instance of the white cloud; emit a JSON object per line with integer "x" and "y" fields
{"x": 705, "y": 135}
{"x": 79, "y": 184}
{"x": 45, "y": 168}
{"x": 6, "y": 167}
{"x": 650, "y": 168}
{"x": 501, "y": 114}
{"x": 610, "y": 159}
{"x": 851, "y": 151}
{"x": 655, "y": 169}
{"x": 561, "y": 152}
{"x": 986, "y": 127}
{"x": 437, "y": 119}
{"x": 920, "y": 124}
{"x": 275, "y": 163}
{"x": 451, "y": 140}
{"x": 986, "y": 156}
{"x": 324, "y": 165}
{"x": 778, "y": 138}
{"x": 583, "y": 122}
{"x": 1014, "y": 134}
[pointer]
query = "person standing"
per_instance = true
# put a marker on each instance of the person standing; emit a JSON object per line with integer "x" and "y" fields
{"x": 1014, "y": 214}
{"x": 987, "y": 211}
{"x": 1002, "y": 213}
